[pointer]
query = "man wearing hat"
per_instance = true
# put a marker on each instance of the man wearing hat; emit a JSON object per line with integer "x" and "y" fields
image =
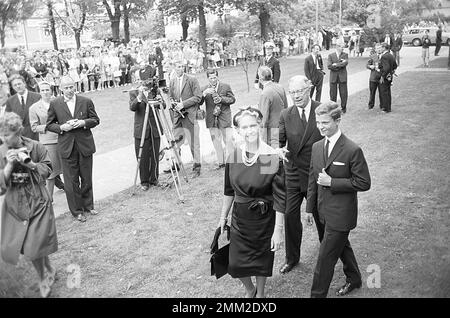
{"x": 271, "y": 62}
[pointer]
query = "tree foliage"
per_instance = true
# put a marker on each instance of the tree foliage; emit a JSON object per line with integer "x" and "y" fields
{"x": 13, "y": 11}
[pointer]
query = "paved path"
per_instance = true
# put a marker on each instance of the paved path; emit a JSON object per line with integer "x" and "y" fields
{"x": 114, "y": 171}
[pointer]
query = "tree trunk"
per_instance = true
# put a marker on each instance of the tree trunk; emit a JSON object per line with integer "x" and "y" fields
{"x": 114, "y": 18}
{"x": 161, "y": 25}
{"x": 126, "y": 24}
{"x": 264, "y": 21}
{"x": 185, "y": 26}
{"x": 51, "y": 19}
{"x": 77, "y": 33}
{"x": 115, "y": 28}
{"x": 202, "y": 31}
{"x": 2, "y": 37}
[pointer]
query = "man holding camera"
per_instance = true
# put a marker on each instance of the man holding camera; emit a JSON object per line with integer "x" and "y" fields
{"x": 149, "y": 140}
{"x": 72, "y": 118}
{"x": 185, "y": 92}
{"x": 218, "y": 97}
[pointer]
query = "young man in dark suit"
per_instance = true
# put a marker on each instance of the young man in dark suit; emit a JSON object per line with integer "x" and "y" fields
{"x": 397, "y": 45}
{"x": 314, "y": 71}
{"x": 20, "y": 104}
{"x": 271, "y": 103}
{"x": 270, "y": 61}
{"x": 185, "y": 91}
{"x": 338, "y": 171}
{"x": 375, "y": 75}
{"x": 298, "y": 130}
{"x": 72, "y": 118}
{"x": 337, "y": 64}
{"x": 387, "y": 66}
{"x": 218, "y": 97}
{"x": 149, "y": 163}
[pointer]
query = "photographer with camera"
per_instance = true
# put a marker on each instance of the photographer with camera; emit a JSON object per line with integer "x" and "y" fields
{"x": 28, "y": 221}
{"x": 185, "y": 91}
{"x": 149, "y": 160}
{"x": 218, "y": 97}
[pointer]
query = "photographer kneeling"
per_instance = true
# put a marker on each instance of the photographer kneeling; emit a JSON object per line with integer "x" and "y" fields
{"x": 28, "y": 221}
{"x": 149, "y": 164}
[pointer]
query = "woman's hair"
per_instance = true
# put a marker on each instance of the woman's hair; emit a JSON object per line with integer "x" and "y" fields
{"x": 247, "y": 111}
{"x": 331, "y": 108}
{"x": 10, "y": 122}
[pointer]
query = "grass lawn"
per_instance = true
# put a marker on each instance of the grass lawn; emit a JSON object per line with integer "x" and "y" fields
{"x": 147, "y": 245}
{"x": 116, "y": 120}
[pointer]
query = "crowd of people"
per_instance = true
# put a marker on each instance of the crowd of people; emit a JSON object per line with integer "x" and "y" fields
{"x": 285, "y": 154}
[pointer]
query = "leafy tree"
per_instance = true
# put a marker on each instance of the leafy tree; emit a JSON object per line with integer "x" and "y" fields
{"x": 134, "y": 9}
{"x": 13, "y": 11}
{"x": 114, "y": 13}
{"x": 248, "y": 49}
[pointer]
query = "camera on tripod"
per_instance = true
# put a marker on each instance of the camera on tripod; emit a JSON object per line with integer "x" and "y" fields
{"x": 153, "y": 85}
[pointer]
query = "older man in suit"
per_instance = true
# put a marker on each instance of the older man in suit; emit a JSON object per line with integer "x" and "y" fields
{"x": 270, "y": 61}
{"x": 218, "y": 97}
{"x": 298, "y": 130}
{"x": 151, "y": 140}
{"x": 337, "y": 64}
{"x": 271, "y": 103}
{"x": 72, "y": 118}
{"x": 387, "y": 67}
{"x": 20, "y": 104}
{"x": 314, "y": 71}
{"x": 185, "y": 92}
{"x": 338, "y": 171}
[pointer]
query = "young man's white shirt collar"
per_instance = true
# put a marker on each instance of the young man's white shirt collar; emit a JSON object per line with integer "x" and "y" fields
{"x": 333, "y": 139}
{"x": 25, "y": 97}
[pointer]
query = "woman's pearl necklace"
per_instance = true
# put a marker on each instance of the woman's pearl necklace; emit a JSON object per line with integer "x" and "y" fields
{"x": 249, "y": 161}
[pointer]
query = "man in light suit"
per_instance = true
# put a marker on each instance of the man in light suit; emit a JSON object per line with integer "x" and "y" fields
{"x": 338, "y": 171}
{"x": 218, "y": 97}
{"x": 185, "y": 91}
{"x": 337, "y": 64}
{"x": 271, "y": 103}
{"x": 270, "y": 61}
{"x": 298, "y": 130}
{"x": 20, "y": 103}
{"x": 72, "y": 118}
{"x": 314, "y": 71}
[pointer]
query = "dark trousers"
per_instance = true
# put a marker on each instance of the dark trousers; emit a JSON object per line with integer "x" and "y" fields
{"x": 77, "y": 172}
{"x": 149, "y": 165}
{"x": 318, "y": 88}
{"x": 334, "y": 245}
{"x": 438, "y": 47}
{"x": 385, "y": 96}
{"x": 373, "y": 86}
{"x": 343, "y": 93}
{"x": 292, "y": 218}
{"x": 396, "y": 55}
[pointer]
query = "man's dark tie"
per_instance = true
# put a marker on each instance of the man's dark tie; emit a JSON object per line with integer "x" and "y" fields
{"x": 22, "y": 102}
{"x": 327, "y": 145}
{"x": 304, "y": 117}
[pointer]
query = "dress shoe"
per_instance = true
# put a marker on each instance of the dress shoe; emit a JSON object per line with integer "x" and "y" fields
{"x": 80, "y": 217}
{"x": 144, "y": 187}
{"x": 347, "y": 288}
{"x": 222, "y": 165}
{"x": 173, "y": 169}
{"x": 154, "y": 183}
{"x": 286, "y": 268}
{"x": 93, "y": 212}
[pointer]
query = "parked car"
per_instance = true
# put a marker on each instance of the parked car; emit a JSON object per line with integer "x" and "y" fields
{"x": 414, "y": 36}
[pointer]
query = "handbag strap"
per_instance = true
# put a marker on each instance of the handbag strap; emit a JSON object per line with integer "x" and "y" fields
{"x": 215, "y": 243}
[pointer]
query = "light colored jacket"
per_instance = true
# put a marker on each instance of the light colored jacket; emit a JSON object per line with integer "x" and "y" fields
{"x": 38, "y": 119}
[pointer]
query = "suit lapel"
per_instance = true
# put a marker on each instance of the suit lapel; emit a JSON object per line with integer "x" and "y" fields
{"x": 183, "y": 84}
{"x": 336, "y": 150}
{"x": 310, "y": 126}
{"x": 77, "y": 106}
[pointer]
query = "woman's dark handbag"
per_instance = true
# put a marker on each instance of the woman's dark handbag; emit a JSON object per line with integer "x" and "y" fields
{"x": 219, "y": 257}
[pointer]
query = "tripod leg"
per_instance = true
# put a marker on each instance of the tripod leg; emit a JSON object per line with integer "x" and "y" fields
{"x": 141, "y": 145}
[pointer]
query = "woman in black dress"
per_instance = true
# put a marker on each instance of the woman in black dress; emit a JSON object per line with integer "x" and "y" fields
{"x": 254, "y": 186}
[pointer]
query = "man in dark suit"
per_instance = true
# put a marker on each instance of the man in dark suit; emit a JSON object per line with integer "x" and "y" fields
{"x": 387, "y": 66}
{"x": 149, "y": 163}
{"x": 72, "y": 118}
{"x": 337, "y": 64}
{"x": 218, "y": 97}
{"x": 314, "y": 71}
{"x": 338, "y": 171}
{"x": 389, "y": 40}
{"x": 271, "y": 103}
{"x": 270, "y": 61}
{"x": 185, "y": 91}
{"x": 397, "y": 45}
{"x": 298, "y": 130}
{"x": 20, "y": 103}
{"x": 438, "y": 40}
{"x": 375, "y": 75}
